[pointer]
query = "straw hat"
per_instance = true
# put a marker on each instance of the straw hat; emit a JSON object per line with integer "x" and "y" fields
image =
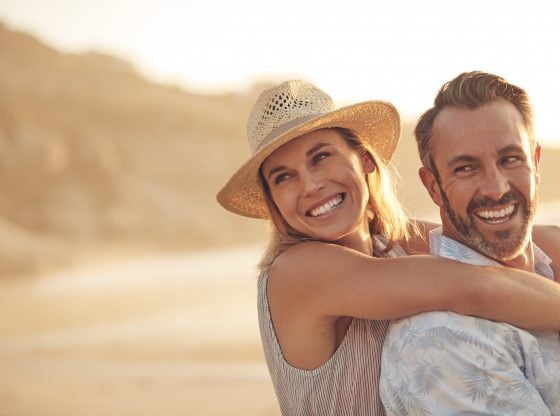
{"x": 290, "y": 110}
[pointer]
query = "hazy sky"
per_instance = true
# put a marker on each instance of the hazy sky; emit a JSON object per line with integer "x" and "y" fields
{"x": 397, "y": 50}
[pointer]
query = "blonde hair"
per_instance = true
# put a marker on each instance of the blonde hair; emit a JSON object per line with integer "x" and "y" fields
{"x": 389, "y": 219}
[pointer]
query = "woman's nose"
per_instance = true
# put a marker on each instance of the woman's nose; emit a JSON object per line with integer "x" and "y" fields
{"x": 311, "y": 183}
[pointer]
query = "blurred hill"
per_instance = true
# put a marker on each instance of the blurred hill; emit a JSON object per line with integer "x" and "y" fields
{"x": 93, "y": 156}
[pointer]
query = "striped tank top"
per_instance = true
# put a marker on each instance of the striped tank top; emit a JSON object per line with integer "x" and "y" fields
{"x": 347, "y": 384}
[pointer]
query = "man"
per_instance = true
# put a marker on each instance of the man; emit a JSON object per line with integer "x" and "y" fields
{"x": 480, "y": 166}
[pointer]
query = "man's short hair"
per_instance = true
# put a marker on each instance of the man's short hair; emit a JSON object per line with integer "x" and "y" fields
{"x": 471, "y": 90}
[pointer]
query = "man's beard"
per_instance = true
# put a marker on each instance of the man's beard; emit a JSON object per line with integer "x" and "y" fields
{"x": 510, "y": 242}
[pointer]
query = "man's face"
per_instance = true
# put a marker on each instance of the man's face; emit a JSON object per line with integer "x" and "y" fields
{"x": 485, "y": 179}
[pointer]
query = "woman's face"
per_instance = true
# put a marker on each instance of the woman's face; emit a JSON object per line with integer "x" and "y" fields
{"x": 319, "y": 185}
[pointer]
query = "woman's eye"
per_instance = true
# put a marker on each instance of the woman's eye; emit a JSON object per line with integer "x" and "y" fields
{"x": 320, "y": 156}
{"x": 280, "y": 178}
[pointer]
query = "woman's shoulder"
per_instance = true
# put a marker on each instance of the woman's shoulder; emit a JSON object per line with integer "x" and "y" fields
{"x": 312, "y": 260}
{"x": 315, "y": 253}
{"x": 305, "y": 255}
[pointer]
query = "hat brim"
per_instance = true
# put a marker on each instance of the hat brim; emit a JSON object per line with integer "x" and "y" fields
{"x": 377, "y": 123}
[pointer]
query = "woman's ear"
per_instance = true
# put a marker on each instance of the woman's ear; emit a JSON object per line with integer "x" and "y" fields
{"x": 367, "y": 162}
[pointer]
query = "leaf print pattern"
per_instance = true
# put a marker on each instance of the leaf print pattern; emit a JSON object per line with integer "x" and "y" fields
{"x": 442, "y": 363}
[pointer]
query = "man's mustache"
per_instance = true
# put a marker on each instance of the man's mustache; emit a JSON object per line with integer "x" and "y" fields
{"x": 512, "y": 195}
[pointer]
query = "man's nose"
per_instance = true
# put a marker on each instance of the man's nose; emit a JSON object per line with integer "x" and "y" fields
{"x": 494, "y": 184}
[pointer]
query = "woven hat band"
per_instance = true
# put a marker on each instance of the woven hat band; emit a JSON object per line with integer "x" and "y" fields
{"x": 277, "y": 132}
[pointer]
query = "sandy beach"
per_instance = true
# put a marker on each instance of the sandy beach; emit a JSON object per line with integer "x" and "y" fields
{"x": 173, "y": 335}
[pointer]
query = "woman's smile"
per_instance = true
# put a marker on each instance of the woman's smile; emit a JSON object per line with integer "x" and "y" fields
{"x": 318, "y": 182}
{"x": 327, "y": 207}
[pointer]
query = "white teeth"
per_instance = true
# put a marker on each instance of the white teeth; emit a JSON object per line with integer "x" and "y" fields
{"x": 327, "y": 207}
{"x": 496, "y": 214}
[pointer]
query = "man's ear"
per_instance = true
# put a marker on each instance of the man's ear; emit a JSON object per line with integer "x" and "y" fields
{"x": 431, "y": 185}
{"x": 537, "y": 160}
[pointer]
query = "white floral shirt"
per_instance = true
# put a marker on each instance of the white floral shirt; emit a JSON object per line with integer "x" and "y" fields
{"x": 442, "y": 363}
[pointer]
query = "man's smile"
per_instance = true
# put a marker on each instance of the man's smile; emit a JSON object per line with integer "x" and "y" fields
{"x": 496, "y": 216}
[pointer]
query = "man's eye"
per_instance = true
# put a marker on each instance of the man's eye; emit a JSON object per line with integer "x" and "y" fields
{"x": 464, "y": 169}
{"x": 510, "y": 160}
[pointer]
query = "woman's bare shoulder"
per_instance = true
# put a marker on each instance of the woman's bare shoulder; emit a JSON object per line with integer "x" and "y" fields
{"x": 314, "y": 254}
{"x": 298, "y": 279}
{"x": 309, "y": 261}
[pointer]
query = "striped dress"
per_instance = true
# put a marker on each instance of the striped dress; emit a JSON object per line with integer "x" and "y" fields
{"x": 347, "y": 384}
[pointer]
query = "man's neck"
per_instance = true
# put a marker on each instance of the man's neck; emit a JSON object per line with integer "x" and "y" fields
{"x": 524, "y": 261}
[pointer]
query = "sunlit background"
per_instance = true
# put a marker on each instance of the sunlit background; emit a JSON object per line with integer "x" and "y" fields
{"x": 124, "y": 288}
{"x": 397, "y": 50}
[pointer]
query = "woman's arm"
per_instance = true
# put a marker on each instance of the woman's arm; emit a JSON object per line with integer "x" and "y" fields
{"x": 325, "y": 281}
{"x": 547, "y": 237}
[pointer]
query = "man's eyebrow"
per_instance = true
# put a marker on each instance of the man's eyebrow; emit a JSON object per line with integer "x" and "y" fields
{"x": 510, "y": 149}
{"x": 459, "y": 159}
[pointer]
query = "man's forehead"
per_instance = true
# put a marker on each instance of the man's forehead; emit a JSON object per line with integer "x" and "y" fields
{"x": 491, "y": 126}
{"x": 496, "y": 115}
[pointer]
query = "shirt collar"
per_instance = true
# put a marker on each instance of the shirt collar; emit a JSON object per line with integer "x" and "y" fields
{"x": 443, "y": 246}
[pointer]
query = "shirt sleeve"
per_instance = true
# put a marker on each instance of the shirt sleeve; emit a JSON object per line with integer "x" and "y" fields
{"x": 445, "y": 364}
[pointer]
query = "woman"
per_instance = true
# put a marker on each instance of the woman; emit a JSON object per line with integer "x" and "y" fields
{"x": 336, "y": 271}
